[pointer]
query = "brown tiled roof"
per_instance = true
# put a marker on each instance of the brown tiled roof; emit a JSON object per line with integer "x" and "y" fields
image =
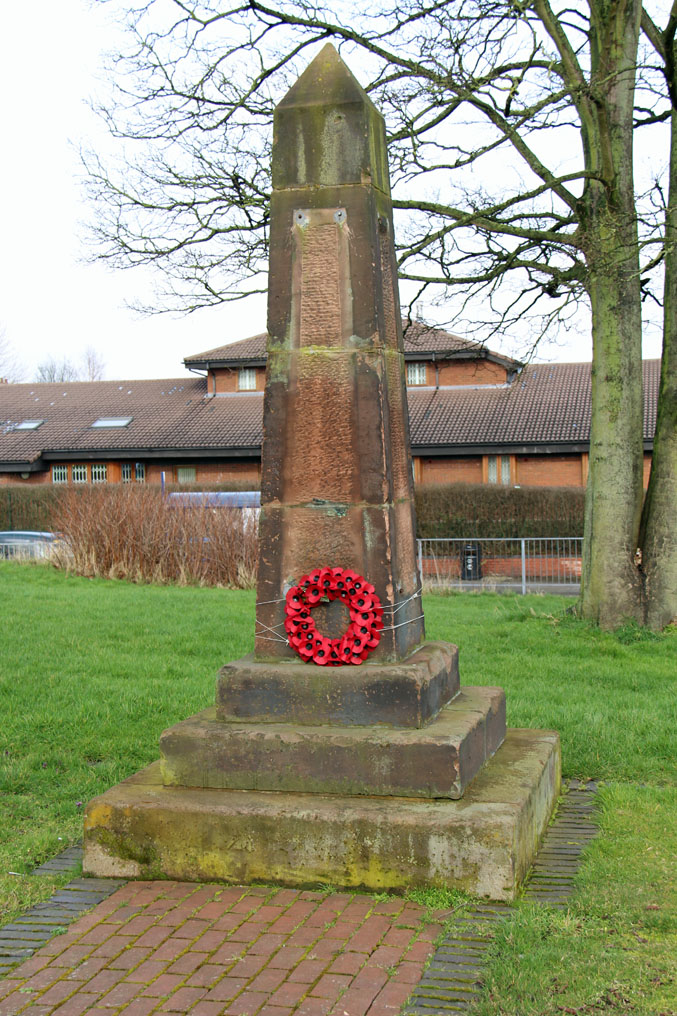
{"x": 171, "y": 414}
{"x": 420, "y": 339}
{"x": 547, "y": 405}
{"x": 253, "y": 348}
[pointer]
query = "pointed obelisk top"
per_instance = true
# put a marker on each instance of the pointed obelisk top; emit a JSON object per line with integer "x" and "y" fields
{"x": 326, "y": 78}
{"x": 327, "y": 131}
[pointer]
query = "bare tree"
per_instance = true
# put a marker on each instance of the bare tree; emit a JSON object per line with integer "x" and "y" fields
{"x": 511, "y": 129}
{"x": 93, "y": 365}
{"x": 10, "y": 366}
{"x": 56, "y": 370}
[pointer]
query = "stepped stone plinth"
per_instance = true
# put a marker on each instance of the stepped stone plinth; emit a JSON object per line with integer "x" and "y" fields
{"x": 381, "y": 775}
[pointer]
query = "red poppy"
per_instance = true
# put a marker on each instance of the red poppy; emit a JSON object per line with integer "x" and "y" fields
{"x": 364, "y": 631}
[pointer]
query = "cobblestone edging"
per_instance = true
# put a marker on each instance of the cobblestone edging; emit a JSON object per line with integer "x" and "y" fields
{"x": 29, "y": 932}
{"x": 452, "y": 980}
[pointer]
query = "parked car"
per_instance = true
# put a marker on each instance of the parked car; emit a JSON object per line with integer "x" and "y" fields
{"x": 25, "y": 543}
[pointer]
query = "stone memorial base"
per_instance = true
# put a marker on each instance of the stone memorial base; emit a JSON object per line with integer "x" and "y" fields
{"x": 438, "y": 760}
{"x": 483, "y": 843}
{"x": 408, "y": 693}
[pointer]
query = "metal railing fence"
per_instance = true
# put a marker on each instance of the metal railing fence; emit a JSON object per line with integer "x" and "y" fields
{"x": 528, "y": 564}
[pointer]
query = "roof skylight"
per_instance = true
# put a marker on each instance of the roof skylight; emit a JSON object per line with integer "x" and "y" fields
{"x": 113, "y": 421}
{"x": 28, "y": 425}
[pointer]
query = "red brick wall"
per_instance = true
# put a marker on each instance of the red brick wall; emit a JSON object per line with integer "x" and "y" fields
{"x": 237, "y": 471}
{"x": 34, "y": 478}
{"x": 469, "y": 372}
{"x": 549, "y": 471}
{"x": 461, "y": 470}
{"x": 226, "y": 472}
{"x": 529, "y": 471}
{"x": 223, "y": 379}
{"x": 45, "y": 476}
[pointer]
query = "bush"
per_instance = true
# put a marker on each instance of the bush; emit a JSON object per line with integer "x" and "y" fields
{"x": 35, "y": 507}
{"x": 28, "y": 507}
{"x": 130, "y": 532}
{"x": 457, "y": 510}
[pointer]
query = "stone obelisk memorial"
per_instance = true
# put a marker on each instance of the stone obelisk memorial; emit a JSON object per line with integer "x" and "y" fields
{"x": 343, "y": 750}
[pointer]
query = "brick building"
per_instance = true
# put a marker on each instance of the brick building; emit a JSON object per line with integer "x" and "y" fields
{"x": 476, "y": 416}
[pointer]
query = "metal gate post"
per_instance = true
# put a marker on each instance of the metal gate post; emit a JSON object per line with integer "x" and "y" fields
{"x": 524, "y": 567}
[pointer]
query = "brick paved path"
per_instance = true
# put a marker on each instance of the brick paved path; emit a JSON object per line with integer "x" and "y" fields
{"x": 210, "y": 950}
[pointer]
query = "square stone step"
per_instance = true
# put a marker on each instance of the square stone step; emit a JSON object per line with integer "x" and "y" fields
{"x": 435, "y": 761}
{"x": 483, "y": 844}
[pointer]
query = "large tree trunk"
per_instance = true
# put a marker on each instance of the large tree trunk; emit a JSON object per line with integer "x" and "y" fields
{"x": 611, "y": 586}
{"x": 659, "y": 520}
{"x": 611, "y": 589}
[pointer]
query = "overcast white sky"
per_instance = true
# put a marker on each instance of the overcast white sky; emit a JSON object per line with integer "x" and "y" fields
{"x": 51, "y": 302}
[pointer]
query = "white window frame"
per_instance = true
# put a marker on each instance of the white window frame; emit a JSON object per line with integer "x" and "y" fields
{"x": 99, "y": 472}
{"x": 79, "y": 473}
{"x": 59, "y": 474}
{"x": 417, "y": 373}
{"x": 28, "y": 425}
{"x": 496, "y": 463}
{"x": 126, "y": 472}
{"x": 112, "y": 421}
{"x": 181, "y": 474}
{"x": 140, "y": 472}
{"x": 246, "y": 379}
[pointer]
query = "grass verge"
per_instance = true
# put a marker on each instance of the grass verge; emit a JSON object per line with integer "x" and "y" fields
{"x": 91, "y": 672}
{"x": 614, "y": 950}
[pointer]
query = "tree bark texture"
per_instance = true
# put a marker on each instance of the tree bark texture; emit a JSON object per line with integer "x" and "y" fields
{"x": 611, "y": 590}
{"x": 659, "y": 520}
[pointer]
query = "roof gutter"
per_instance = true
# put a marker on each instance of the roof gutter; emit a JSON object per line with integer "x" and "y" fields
{"x": 500, "y": 448}
{"x": 244, "y": 361}
{"x": 149, "y": 454}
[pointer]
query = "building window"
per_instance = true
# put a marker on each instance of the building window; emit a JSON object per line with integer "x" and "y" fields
{"x": 140, "y": 472}
{"x": 416, "y": 374}
{"x": 126, "y": 472}
{"x": 99, "y": 472}
{"x": 499, "y": 469}
{"x": 28, "y": 425}
{"x": 113, "y": 421}
{"x": 59, "y": 474}
{"x": 79, "y": 474}
{"x": 186, "y": 474}
{"x": 246, "y": 379}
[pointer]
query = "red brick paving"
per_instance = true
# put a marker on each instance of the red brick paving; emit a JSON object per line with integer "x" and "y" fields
{"x": 210, "y": 950}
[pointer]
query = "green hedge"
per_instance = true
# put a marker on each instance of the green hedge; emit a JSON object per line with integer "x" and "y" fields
{"x": 33, "y": 507}
{"x": 451, "y": 510}
{"x": 24, "y": 507}
{"x": 457, "y": 510}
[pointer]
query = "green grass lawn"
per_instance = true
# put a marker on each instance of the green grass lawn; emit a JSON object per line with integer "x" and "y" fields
{"x": 92, "y": 671}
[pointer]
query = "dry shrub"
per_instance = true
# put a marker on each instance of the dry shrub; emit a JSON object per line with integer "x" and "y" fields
{"x": 133, "y": 533}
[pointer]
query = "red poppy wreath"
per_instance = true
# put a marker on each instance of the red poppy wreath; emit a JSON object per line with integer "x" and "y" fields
{"x": 364, "y": 606}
